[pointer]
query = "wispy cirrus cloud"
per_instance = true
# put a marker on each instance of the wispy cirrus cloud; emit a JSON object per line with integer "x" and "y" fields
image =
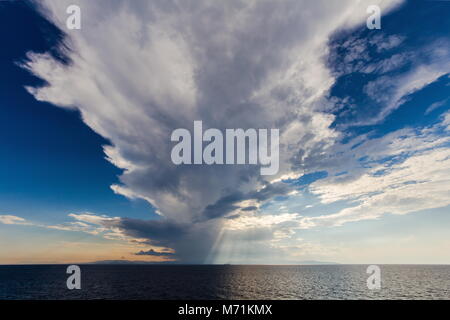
{"x": 435, "y": 106}
{"x": 9, "y": 219}
{"x": 403, "y": 172}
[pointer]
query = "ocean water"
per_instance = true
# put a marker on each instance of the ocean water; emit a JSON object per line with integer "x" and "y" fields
{"x": 225, "y": 282}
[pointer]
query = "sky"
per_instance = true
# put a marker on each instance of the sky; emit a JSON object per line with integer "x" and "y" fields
{"x": 86, "y": 117}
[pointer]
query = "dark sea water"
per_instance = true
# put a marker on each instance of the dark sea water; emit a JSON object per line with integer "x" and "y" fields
{"x": 225, "y": 282}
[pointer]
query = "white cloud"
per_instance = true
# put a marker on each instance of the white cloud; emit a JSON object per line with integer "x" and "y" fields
{"x": 446, "y": 121}
{"x": 98, "y": 225}
{"x": 393, "y": 91}
{"x": 8, "y": 219}
{"x": 416, "y": 177}
{"x": 259, "y": 221}
{"x": 435, "y": 106}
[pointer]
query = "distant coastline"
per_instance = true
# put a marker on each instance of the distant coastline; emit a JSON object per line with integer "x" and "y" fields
{"x": 307, "y": 262}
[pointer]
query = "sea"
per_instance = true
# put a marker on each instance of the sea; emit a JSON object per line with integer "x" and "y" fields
{"x": 223, "y": 282}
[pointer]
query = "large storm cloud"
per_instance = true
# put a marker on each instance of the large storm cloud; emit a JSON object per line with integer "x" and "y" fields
{"x": 140, "y": 69}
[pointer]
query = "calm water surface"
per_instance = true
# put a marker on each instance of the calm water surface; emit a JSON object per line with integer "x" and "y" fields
{"x": 225, "y": 282}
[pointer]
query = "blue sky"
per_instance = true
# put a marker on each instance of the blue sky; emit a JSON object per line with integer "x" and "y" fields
{"x": 50, "y": 160}
{"x": 85, "y": 171}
